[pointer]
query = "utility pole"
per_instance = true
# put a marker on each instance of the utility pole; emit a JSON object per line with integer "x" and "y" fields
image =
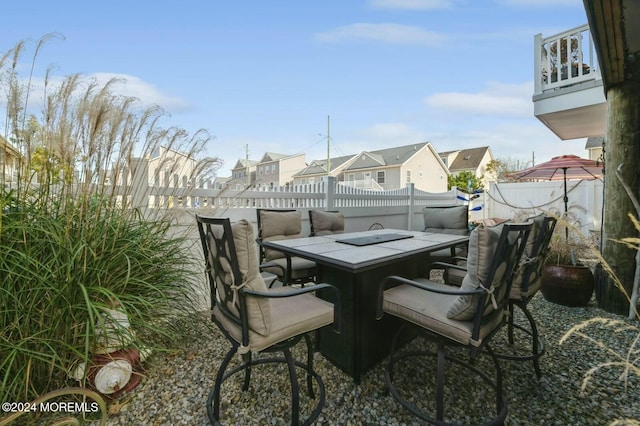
{"x": 328, "y": 146}
{"x": 246, "y": 164}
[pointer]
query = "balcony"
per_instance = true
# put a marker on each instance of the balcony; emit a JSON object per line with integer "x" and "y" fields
{"x": 568, "y": 92}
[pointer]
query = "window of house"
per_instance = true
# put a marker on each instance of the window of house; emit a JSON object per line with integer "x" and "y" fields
{"x": 381, "y": 176}
{"x": 408, "y": 176}
{"x": 352, "y": 177}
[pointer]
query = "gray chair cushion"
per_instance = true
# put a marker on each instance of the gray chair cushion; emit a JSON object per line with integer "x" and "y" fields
{"x": 291, "y": 316}
{"x": 325, "y": 223}
{"x": 275, "y": 226}
{"x": 300, "y": 268}
{"x": 483, "y": 243}
{"x": 429, "y": 310}
{"x": 258, "y": 309}
{"x": 448, "y": 219}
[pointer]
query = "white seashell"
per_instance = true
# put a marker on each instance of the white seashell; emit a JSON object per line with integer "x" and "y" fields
{"x": 113, "y": 376}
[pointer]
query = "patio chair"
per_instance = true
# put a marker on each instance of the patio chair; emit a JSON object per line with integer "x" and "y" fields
{"x": 255, "y": 319}
{"x": 325, "y": 222}
{"x": 526, "y": 283}
{"x": 448, "y": 220}
{"x": 276, "y": 225}
{"x": 465, "y": 317}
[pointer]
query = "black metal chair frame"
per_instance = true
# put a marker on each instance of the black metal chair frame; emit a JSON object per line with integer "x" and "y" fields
{"x": 285, "y": 275}
{"x": 533, "y": 264}
{"x": 514, "y": 250}
{"x": 227, "y": 246}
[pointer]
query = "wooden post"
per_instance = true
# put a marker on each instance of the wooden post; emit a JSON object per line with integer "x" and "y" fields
{"x": 622, "y": 147}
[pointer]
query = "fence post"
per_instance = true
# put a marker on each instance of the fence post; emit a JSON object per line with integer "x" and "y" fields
{"x": 140, "y": 182}
{"x": 330, "y": 190}
{"x": 412, "y": 188}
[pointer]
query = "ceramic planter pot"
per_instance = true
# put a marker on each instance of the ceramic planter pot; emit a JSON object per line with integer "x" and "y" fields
{"x": 567, "y": 285}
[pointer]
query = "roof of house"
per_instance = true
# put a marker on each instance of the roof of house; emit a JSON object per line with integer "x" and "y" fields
{"x": 468, "y": 159}
{"x": 243, "y": 163}
{"x": 594, "y": 142}
{"x": 366, "y": 159}
{"x": 320, "y": 166}
{"x": 386, "y": 157}
{"x": 273, "y": 156}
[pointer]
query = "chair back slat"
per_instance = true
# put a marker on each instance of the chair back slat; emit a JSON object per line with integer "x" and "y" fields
{"x": 221, "y": 264}
{"x": 509, "y": 250}
{"x": 532, "y": 262}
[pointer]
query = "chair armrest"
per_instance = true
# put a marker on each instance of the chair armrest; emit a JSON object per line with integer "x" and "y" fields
{"x": 449, "y": 266}
{"x": 445, "y": 266}
{"x": 286, "y": 272}
{"x": 266, "y": 265}
{"x": 456, "y": 291}
{"x": 292, "y": 291}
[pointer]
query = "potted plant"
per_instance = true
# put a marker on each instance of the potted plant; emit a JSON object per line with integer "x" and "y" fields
{"x": 565, "y": 278}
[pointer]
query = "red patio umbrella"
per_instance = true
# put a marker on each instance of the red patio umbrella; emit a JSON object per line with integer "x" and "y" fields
{"x": 562, "y": 167}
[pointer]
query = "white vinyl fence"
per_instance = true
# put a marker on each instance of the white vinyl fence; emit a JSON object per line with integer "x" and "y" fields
{"x": 521, "y": 199}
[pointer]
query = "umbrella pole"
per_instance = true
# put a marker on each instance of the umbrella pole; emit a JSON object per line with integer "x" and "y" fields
{"x": 566, "y": 202}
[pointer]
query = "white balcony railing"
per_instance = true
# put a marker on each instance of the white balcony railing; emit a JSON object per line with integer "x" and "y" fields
{"x": 367, "y": 183}
{"x": 564, "y": 59}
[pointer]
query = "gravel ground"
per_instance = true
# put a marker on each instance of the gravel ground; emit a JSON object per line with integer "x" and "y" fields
{"x": 175, "y": 386}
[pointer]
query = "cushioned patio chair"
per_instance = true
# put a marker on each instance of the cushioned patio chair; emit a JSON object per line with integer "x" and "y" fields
{"x": 447, "y": 220}
{"x": 276, "y": 225}
{"x": 526, "y": 283}
{"x": 255, "y": 319}
{"x": 465, "y": 317}
{"x": 325, "y": 222}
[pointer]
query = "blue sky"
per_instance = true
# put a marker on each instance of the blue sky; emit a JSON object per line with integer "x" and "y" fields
{"x": 267, "y": 73}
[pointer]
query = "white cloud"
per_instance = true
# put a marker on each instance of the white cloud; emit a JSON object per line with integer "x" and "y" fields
{"x": 147, "y": 93}
{"x": 387, "y": 33}
{"x": 411, "y": 4}
{"x": 497, "y": 99}
{"x": 126, "y": 85}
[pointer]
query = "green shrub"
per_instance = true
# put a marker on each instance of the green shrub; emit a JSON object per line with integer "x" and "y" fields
{"x": 71, "y": 244}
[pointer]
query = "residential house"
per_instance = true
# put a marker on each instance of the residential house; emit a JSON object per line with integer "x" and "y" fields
{"x": 243, "y": 174}
{"x": 394, "y": 168}
{"x": 594, "y": 147}
{"x": 384, "y": 169}
{"x": 168, "y": 167}
{"x": 221, "y": 182}
{"x": 9, "y": 162}
{"x": 474, "y": 160}
{"x": 315, "y": 170}
{"x": 278, "y": 169}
